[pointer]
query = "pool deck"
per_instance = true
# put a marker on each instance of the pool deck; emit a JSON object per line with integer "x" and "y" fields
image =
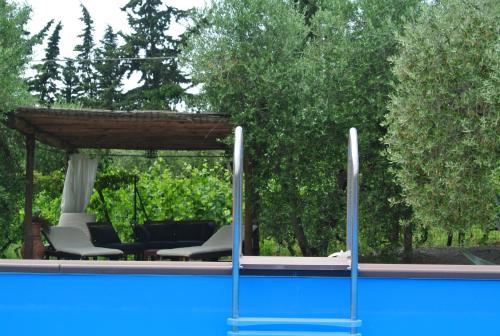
{"x": 275, "y": 265}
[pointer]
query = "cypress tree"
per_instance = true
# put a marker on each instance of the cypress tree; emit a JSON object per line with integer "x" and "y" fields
{"x": 70, "y": 82}
{"x": 110, "y": 71}
{"x": 86, "y": 72}
{"x": 40, "y": 36}
{"x": 160, "y": 73}
{"x": 48, "y": 73}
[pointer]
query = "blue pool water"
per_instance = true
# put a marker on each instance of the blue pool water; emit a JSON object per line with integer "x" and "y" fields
{"x": 64, "y": 304}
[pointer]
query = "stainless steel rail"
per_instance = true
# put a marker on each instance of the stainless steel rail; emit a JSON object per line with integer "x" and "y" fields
{"x": 237, "y": 222}
{"x": 352, "y": 218}
{"x": 352, "y": 244}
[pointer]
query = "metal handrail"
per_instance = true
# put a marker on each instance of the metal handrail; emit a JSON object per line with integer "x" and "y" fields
{"x": 352, "y": 221}
{"x": 237, "y": 217}
{"x": 352, "y": 217}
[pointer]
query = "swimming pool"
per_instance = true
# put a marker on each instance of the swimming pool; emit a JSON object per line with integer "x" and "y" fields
{"x": 183, "y": 299}
{"x": 77, "y": 298}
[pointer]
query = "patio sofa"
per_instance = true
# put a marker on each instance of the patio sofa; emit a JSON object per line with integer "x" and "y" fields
{"x": 167, "y": 234}
{"x": 103, "y": 234}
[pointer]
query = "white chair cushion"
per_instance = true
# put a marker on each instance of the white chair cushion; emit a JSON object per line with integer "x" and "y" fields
{"x": 73, "y": 240}
{"x": 78, "y": 220}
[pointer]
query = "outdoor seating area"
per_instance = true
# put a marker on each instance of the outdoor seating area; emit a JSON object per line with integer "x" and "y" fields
{"x": 79, "y": 235}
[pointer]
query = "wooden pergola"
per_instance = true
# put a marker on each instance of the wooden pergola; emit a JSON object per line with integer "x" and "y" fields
{"x": 72, "y": 129}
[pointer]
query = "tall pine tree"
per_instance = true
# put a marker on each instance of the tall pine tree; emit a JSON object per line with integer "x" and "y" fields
{"x": 44, "y": 85}
{"x": 40, "y": 36}
{"x": 86, "y": 72}
{"x": 110, "y": 71}
{"x": 161, "y": 77}
{"x": 70, "y": 81}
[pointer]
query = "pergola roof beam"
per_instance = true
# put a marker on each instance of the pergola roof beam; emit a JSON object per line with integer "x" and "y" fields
{"x": 85, "y": 128}
{"x": 27, "y": 129}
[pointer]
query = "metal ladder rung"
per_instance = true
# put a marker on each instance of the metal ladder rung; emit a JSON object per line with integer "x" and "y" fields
{"x": 331, "y": 322}
{"x": 289, "y": 333}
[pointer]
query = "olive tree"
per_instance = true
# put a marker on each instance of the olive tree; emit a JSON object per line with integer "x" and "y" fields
{"x": 443, "y": 124}
{"x": 14, "y": 50}
{"x": 296, "y": 80}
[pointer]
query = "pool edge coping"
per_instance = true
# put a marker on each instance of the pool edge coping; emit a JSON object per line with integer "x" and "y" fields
{"x": 224, "y": 268}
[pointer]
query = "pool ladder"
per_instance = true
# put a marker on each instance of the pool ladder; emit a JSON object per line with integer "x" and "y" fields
{"x": 241, "y": 326}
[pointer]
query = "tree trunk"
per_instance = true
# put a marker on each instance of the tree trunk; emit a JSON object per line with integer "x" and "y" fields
{"x": 297, "y": 228}
{"x": 450, "y": 239}
{"x": 394, "y": 234}
{"x": 301, "y": 237}
{"x": 425, "y": 235}
{"x": 255, "y": 241}
{"x": 461, "y": 238}
{"x": 408, "y": 242}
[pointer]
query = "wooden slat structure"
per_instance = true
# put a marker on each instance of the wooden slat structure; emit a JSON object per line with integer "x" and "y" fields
{"x": 71, "y": 129}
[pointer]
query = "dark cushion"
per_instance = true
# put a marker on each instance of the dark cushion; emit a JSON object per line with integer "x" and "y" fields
{"x": 161, "y": 230}
{"x": 102, "y": 233}
{"x": 141, "y": 234}
{"x": 199, "y": 230}
{"x": 172, "y": 234}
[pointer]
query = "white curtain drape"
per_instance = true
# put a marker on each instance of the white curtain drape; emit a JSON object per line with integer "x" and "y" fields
{"x": 79, "y": 183}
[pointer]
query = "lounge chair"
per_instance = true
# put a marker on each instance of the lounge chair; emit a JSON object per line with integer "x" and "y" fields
{"x": 219, "y": 245}
{"x": 72, "y": 242}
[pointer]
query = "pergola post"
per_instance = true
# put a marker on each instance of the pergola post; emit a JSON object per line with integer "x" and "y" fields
{"x": 28, "y": 201}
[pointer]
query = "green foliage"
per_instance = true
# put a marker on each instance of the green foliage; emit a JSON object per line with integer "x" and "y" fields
{"x": 296, "y": 74}
{"x": 150, "y": 21}
{"x": 296, "y": 85}
{"x": 48, "y": 191}
{"x": 86, "y": 73}
{"x": 14, "y": 52}
{"x": 355, "y": 82}
{"x": 443, "y": 123}
{"x": 40, "y": 36}
{"x": 309, "y": 8}
{"x": 70, "y": 82}
{"x": 44, "y": 85}
{"x": 110, "y": 71}
{"x": 15, "y": 48}
{"x": 194, "y": 193}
